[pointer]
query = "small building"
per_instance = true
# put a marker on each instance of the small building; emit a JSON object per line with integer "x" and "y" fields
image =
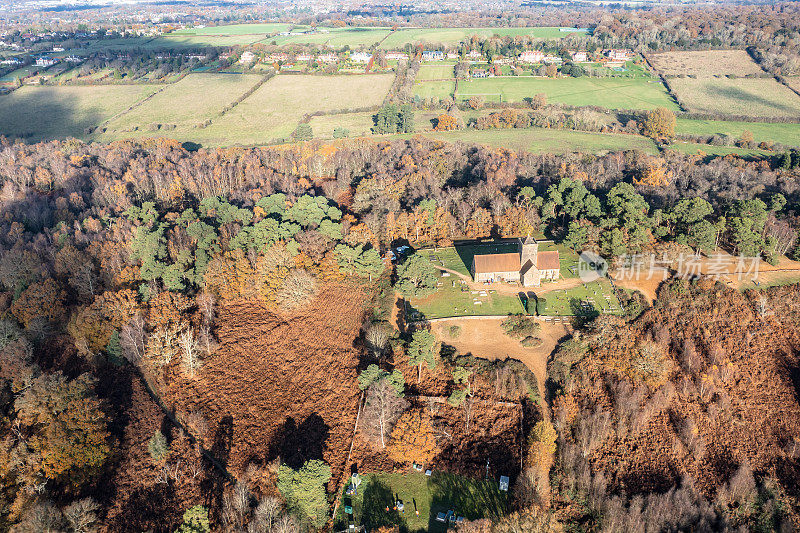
{"x": 479, "y": 73}
{"x": 328, "y": 58}
{"x": 304, "y": 57}
{"x": 396, "y": 56}
{"x": 527, "y": 266}
{"x": 474, "y": 54}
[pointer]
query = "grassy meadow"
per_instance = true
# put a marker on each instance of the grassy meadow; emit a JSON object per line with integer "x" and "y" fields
{"x": 185, "y": 104}
{"x": 275, "y": 109}
{"x": 611, "y": 93}
{"x": 755, "y": 97}
{"x": 38, "y": 113}
{"x": 435, "y": 89}
{"x": 705, "y": 63}
{"x": 788, "y": 134}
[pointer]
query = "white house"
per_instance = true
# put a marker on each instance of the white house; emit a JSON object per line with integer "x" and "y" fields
{"x": 360, "y": 57}
{"x": 398, "y": 56}
{"x": 45, "y": 62}
{"x": 474, "y": 54}
{"x": 328, "y": 58}
{"x": 617, "y": 54}
{"x": 304, "y": 57}
{"x": 579, "y": 56}
{"x": 433, "y": 55}
{"x": 531, "y": 56}
{"x": 247, "y": 57}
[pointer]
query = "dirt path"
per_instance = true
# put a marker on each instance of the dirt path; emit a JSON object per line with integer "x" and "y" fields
{"x": 485, "y": 338}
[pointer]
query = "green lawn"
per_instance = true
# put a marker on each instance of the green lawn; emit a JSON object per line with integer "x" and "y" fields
{"x": 752, "y": 97}
{"x": 611, "y": 93}
{"x": 540, "y": 140}
{"x": 358, "y": 124}
{"x": 567, "y": 302}
{"x": 440, "y": 492}
{"x": 788, "y": 134}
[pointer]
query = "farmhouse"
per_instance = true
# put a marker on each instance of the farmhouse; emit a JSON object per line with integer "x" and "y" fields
{"x": 527, "y": 266}
{"x": 396, "y": 56}
{"x": 579, "y": 56}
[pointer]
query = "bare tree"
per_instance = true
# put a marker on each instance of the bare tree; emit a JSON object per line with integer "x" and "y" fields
{"x": 190, "y": 357}
{"x": 82, "y": 515}
{"x": 382, "y": 408}
{"x": 132, "y": 339}
{"x": 298, "y": 287}
{"x": 377, "y": 337}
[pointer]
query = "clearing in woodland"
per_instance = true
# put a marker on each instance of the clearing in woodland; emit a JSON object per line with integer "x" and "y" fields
{"x": 280, "y": 385}
{"x": 705, "y": 63}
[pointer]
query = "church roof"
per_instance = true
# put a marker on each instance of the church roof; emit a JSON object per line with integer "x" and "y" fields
{"x": 485, "y": 264}
{"x": 548, "y": 260}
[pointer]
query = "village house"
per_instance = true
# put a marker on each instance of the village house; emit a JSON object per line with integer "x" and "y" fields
{"x": 247, "y": 57}
{"x": 527, "y": 266}
{"x": 45, "y": 62}
{"x": 452, "y": 55}
{"x": 274, "y": 58}
{"x": 328, "y": 58}
{"x": 479, "y": 73}
{"x": 396, "y": 56}
{"x": 531, "y": 56}
{"x": 304, "y": 57}
{"x": 616, "y": 54}
{"x": 433, "y": 55}
{"x": 579, "y": 56}
{"x": 360, "y": 57}
{"x": 474, "y": 54}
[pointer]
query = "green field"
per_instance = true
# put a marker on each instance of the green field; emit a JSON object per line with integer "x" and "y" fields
{"x": 335, "y": 37}
{"x": 358, "y": 124}
{"x": 435, "y": 71}
{"x": 401, "y": 37}
{"x": 755, "y": 97}
{"x": 428, "y": 495}
{"x": 40, "y": 113}
{"x": 539, "y": 140}
{"x": 612, "y": 93}
{"x": 236, "y": 29}
{"x": 788, "y": 134}
{"x": 435, "y": 89}
{"x": 598, "y": 297}
{"x": 275, "y": 109}
{"x": 189, "y": 102}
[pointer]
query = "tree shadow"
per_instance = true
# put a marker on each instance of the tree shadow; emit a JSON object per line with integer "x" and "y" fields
{"x": 296, "y": 444}
{"x": 472, "y": 499}
{"x": 378, "y": 497}
{"x": 153, "y": 508}
{"x": 583, "y": 314}
{"x": 213, "y": 486}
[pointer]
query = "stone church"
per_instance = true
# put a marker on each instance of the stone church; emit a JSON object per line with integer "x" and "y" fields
{"x": 528, "y": 265}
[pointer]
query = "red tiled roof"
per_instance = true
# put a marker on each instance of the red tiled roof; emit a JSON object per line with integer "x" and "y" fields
{"x": 497, "y": 263}
{"x": 548, "y": 260}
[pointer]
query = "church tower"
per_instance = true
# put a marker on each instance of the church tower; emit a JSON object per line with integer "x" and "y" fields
{"x": 529, "y": 249}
